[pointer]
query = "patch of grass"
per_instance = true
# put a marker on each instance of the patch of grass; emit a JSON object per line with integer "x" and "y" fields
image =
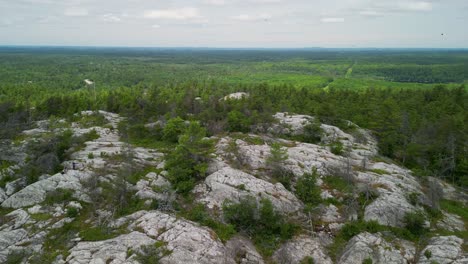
{"x": 95, "y": 119}
{"x": 41, "y": 216}
{"x": 455, "y": 207}
{"x": 351, "y": 229}
{"x": 135, "y": 177}
{"x": 337, "y": 183}
{"x": 98, "y": 233}
{"x": 198, "y": 214}
{"x": 6, "y": 179}
{"x": 337, "y": 147}
{"x": 58, "y": 196}
{"x": 307, "y": 260}
{"x": 267, "y": 228}
{"x": 4, "y": 164}
{"x": 16, "y": 256}
{"x": 151, "y": 254}
{"x": 380, "y": 171}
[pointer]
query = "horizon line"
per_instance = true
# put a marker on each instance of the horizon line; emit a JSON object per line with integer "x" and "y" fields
{"x": 230, "y": 48}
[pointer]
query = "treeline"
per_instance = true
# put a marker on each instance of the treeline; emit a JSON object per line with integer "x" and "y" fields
{"x": 456, "y": 73}
{"x": 424, "y": 130}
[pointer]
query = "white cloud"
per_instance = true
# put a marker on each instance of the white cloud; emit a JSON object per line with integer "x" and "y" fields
{"x": 76, "y": 12}
{"x": 332, "y": 20}
{"x": 245, "y": 17}
{"x": 177, "y": 14}
{"x": 265, "y": 1}
{"x": 415, "y": 6}
{"x": 155, "y": 26}
{"x": 370, "y": 13}
{"x": 111, "y": 18}
{"x": 215, "y": 2}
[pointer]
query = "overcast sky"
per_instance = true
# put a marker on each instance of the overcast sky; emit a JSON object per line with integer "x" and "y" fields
{"x": 236, "y": 23}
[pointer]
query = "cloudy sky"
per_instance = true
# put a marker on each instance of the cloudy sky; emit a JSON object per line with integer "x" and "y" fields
{"x": 236, "y": 23}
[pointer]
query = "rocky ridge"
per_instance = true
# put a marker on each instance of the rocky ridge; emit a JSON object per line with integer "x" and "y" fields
{"x": 28, "y": 221}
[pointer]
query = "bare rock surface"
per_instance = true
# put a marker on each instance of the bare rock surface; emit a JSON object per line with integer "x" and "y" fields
{"x": 188, "y": 242}
{"x": 109, "y": 251}
{"x": 375, "y": 247}
{"x": 243, "y": 251}
{"x": 232, "y": 184}
{"x": 36, "y": 192}
{"x": 299, "y": 249}
{"x": 444, "y": 250}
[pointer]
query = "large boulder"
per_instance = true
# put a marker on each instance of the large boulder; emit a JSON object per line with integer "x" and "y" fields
{"x": 300, "y": 248}
{"x": 443, "y": 250}
{"x": 243, "y": 251}
{"x": 375, "y": 247}
{"x": 232, "y": 184}
{"x": 36, "y": 192}
{"x": 188, "y": 242}
{"x": 109, "y": 251}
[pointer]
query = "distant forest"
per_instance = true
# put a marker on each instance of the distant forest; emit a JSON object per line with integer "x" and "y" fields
{"x": 414, "y": 101}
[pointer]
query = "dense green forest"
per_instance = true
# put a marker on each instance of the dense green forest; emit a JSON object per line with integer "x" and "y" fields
{"x": 414, "y": 101}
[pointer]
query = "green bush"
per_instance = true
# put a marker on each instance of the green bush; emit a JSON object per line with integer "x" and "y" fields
{"x": 307, "y": 260}
{"x": 367, "y": 261}
{"x": 337, "y": 147}
{"x": 307, "y": 190}
{"x": 72, "y": 212}
{"x": 267, "y": 228}
{"x": 188, "y": 162}
{"x": 97, "y": 233}
{"x": 337, "y": 183}
{"x": 198, "y": 214}
{"x": 414, "y": 222}
{"x": 58, "y": 196}
{"x": 173, "y": 129}
{"x": 428, "y": 254}
{"x": 152, "y": 254}
{"x": 312, "y": 133}
{"x": 237, "y": 122}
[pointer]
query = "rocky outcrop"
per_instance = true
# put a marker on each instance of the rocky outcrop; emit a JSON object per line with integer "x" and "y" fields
{"x": 231, "y": 184}
{"x": 242, "y": 251}
{"x": 188, "y": 242}
{"x": 393, "y": 184}
{"x": 451, "y": 222}
{"x": 36, "y": 192}
{"x": 443, "y": 250}
{"x": 300, "y": 248}
{"x": 236, "y": 96}
{"x": 375, "y": 247}
{"x": 109, "y": 251}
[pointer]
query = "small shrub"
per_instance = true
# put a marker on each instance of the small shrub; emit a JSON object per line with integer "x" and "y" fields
{"x": 337, "y": 147}
{"x": 15, "y": 257}
{"x": 152, "y": 254}
{"x": 72, "y": 212}
{"x": 200, "y": 215}
{"x": 338, "y": 183}
{"x": 413, "y": 198}
{"x": 312, "y": 133}
{"x": 90, "y": 155}
{"x": 380, "y": 171}
{"x": 307, "y": 260}
{"x": 267, "y": 227}
{"x": 414, "y": 222}
{"x": 428, "y": 254}
{"x": 59, "y": 196}
{"x": 307, "y": 190}
{"x": 97, "y": 233}
{"x": 367, "y": 261}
